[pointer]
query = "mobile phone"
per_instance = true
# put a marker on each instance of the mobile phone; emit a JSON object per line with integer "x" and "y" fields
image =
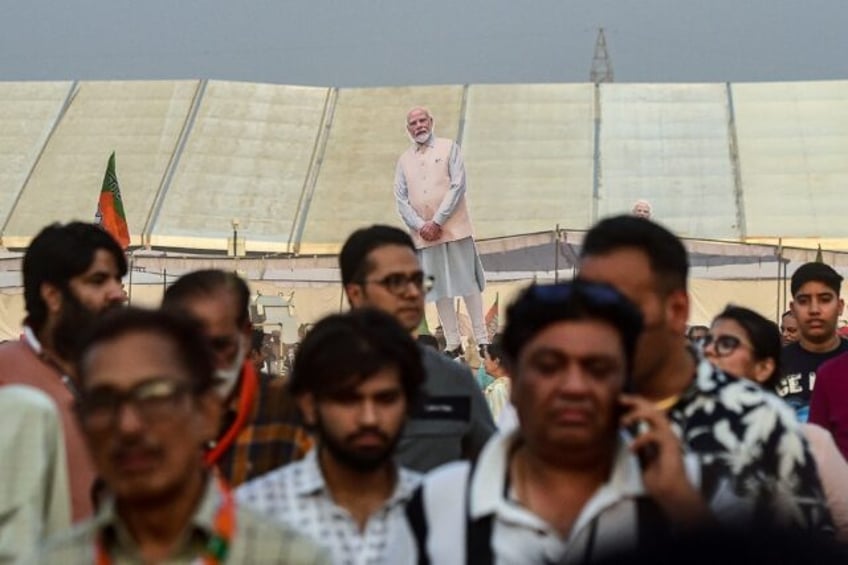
{"x": 648, "y": 453}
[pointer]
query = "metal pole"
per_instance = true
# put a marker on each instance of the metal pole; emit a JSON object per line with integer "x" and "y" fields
{"x": 779, "y": 263}
{"x": 132, "y": 267}
{"x": 785, "y": 278}
{"x": 556, "y": 254}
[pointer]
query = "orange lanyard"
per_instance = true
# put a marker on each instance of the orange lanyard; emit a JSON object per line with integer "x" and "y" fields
{"x": 218, "y": 545}
{"x": 249, "y": 384}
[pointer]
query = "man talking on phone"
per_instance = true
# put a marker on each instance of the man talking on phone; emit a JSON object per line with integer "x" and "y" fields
{"x": 571, "y": 484}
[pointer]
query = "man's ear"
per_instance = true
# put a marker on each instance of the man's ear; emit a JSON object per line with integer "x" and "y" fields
{"x": 52, "y": 297}
{"x": 841, "y": 305}
{"x": 792, "y": 308}
{"x": 306, "y": 403}
{"x": 677, "y": 310}
{"x": 355, "y": 294}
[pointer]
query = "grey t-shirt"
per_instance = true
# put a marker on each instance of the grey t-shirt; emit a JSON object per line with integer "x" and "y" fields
{"x": 451, "y": 422}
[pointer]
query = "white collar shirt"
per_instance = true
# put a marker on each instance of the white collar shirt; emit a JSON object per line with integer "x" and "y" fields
{"x": 298, "y": 496}
{"x": 608, "y": 522}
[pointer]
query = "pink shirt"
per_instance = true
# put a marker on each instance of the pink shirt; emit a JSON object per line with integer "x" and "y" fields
{"x": 19, "y": 364}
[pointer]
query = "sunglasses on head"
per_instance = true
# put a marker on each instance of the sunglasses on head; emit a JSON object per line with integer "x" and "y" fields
{"x": 562, "y": 292}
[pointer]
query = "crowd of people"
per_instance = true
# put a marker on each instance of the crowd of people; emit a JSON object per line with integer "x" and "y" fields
{"x": 600, "y": 428}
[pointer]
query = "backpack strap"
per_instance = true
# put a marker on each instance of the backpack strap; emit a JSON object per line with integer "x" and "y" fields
{"x": 418, "y": 524}
{"x": 478, "y": 532}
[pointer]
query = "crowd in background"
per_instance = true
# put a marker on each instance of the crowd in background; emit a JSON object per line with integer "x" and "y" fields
{"x": 597, "y": 427}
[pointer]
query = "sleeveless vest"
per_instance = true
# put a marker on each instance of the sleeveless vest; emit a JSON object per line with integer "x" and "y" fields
{"x": 428, "y": 181}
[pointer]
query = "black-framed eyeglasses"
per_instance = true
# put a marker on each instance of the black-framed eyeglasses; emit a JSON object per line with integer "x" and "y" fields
{"x": 398, "y": 283}
{"x": 723, "y": 345}
{"x": 153, "y": 400}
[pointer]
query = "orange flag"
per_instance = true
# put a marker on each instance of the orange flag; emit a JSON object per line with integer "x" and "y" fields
{"x": 110, "y": 207}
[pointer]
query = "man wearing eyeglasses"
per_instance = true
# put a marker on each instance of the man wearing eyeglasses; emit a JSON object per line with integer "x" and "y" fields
{"x": 757, "y": 469}
{"x": 261, "y": 428}
{"x": 72, "y": 275}
{"x": 380, "y": 269}
{"x": 147, "y": 406}
{"x": 430, "y": 196}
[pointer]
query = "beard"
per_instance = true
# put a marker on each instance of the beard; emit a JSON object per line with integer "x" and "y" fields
{"x": 74, "y": 320}
{"x": 357, "y": 459}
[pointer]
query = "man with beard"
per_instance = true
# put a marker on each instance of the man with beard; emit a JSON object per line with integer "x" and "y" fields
{"x": 356, "y": 377}
{"x": 72, "y": 274}
{"x": 381, "y": 270}
{"x": 430, "y": 195}
{"x": 261, "y": 429}
{"x": 756, "y": 466}
{"x": 147, "y": 405}
{"x": 817, "y": 306}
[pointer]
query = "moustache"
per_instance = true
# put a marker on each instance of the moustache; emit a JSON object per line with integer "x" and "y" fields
{"x": 367, "y": 433}
{"x": 135, "y": 448}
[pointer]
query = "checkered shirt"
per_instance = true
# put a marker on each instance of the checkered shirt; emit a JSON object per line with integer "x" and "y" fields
{"x": 297, "y": 495}
{"x": 274, "y": 435}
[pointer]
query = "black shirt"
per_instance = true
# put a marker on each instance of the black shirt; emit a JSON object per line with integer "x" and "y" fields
{"x": 798, "y": 375}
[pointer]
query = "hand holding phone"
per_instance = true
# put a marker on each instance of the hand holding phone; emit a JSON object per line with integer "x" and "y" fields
{"x": 661, "y": 458}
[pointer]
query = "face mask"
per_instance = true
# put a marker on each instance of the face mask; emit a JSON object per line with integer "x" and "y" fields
{"x": 227, "y": 378}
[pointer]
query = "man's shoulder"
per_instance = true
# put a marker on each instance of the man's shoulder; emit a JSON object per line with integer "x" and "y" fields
{"x": 274, "y": 391}
{"x": 265, "y": 540}
{"x": 279, "y": 480}
{"x": 14, "y": 350}
{"x": 70, "y": 546}
{"x": 791, "y": 348}
{"x": 442, "y": 371}
{"x": 832, "y": 368}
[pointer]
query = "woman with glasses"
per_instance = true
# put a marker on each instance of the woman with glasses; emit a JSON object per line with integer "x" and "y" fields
{"x": 744, "y": 344}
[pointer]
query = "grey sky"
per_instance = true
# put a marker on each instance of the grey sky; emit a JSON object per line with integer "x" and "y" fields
{"x": 396, "y": 42}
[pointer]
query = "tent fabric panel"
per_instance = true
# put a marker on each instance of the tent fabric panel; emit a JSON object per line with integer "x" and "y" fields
{"x": 669, "y": 144}
{"x": 793, "y": 141}
{"x": 140, "y": 120}
{"x": 528, "y": 153}
{"x": 247, "y": 157}
{"x": 28, "y": 111}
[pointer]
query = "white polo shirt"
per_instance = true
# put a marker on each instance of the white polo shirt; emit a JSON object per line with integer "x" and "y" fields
{"x": 607, "y": 523}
